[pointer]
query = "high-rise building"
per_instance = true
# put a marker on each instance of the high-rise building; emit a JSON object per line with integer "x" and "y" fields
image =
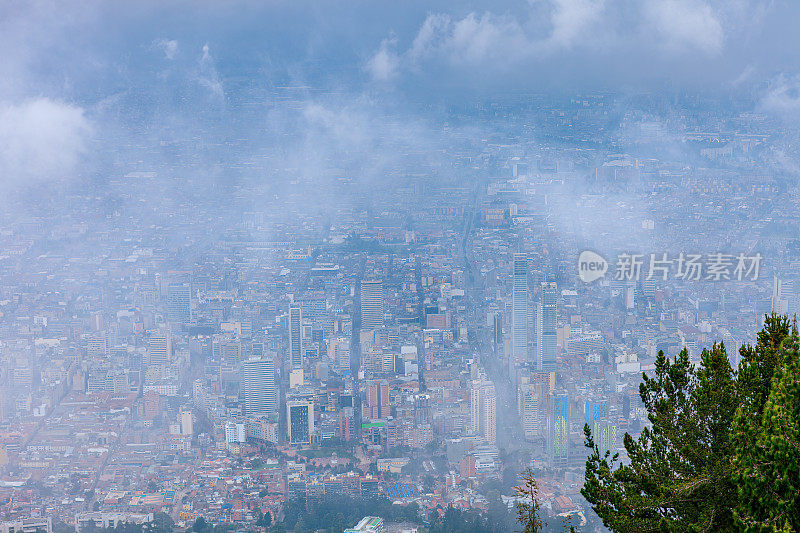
{"x": 782, "y": 296}
{"x": 187, "y": 422}
{"x": 532, "y": 407}
{"x": 315, "y": 310}
{"x": 260, "y": 390}
{"x": 179, "y": 298}
{"x": 377, "y": 399}
{"x": 546, "y": 334}
{"x": 371, "y": 304}
{"x": 422, "y": 409}
{"x": 159, "y": 348}
{"x": 235, "y": 432}
{"x": 497, "y": 330}
{"x": 97, "y": 345}
{"x": 605, "y": 433}
{"x": 519, "y": 314}
{"x": 557, "y": 428}
{"x": 296, "y": 336}
{"x": 483, "y": 410}
{"x": 198, "y": 394}
{"x": 339, "y": 354}
{"x": 299, "y": 421}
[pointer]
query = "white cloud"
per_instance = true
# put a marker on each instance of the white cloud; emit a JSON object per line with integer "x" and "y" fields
{"x": 488, "y": 37}
{"x": 551, "y": 29}
{"x": 40, "y": 140}
{"x": 783, "y": 98}
{"x": 383, "y": 65}
{"x": 168, "y": 46}
{"x": 572, "y": 19}
{"x": 686, "y": 25}
{"x": 430, "y": 36}
{"x": 208, "y": 76}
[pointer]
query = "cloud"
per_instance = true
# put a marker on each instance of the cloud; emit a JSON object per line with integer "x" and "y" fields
{"x": 383, "y": 65}
{"x": 168, "y": 46}
{"x": 571, "y": 19}
{"x": 626, "y": 35}
{"x": 783, "y": 98}
{"x": 686, "y": 25}
{"x": 41, "y": 140}
{"x": 208, "y": 76}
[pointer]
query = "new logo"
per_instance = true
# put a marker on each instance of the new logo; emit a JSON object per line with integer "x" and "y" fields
{"x": 591, "y": 266}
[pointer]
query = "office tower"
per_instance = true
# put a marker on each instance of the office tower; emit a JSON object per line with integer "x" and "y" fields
{"x": 314, "y": 307}
{"x": 422, "y": 409}
{"x": 372, "y": 361}
{"x": 339, "y": 354}
{"x": 626, "y": 406}
{"x": 532, "y": 400}
{"x": 187, "y": 422}
{"x": 483, "y": 410}
{"x": 296, "y": 336}
{"x": 497, "y": 332}
{"x": 179, "y": 297}
{"x": 235, "y": 432}
{"x": 648, "y": 287}
{"x": 371, "y": 304}
{"x": 97, "y": 345}
{"x": 557, "y": 428}
{"x": 782, "y": 296}
{"x": 519, "y": 316}
{"x": 630, "y": 302}
{"x": 546, "y": 328}
{"x": 299, "y": 421}
{"x": 198, "y": 394}
{"x": 159, "y": 348}
{"x": 603, "y": 431}
{"x": 377, "y": 399}
{"x": 260, "y": 390}
{"x": 227, "y": 348}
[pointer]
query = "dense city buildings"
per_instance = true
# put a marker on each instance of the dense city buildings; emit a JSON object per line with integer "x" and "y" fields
{"x": 273, "y": 299}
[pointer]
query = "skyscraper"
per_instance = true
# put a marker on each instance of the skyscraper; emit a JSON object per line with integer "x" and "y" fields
{"x": 532, "y": 401}
{"x": 314, "y": 308}
{"x": 179, "y": 297}
{"x": 546, "y": 328}
{"x": 483, "y": 410}
{"x": 371, "y": 304}
{"x": 339, "y": 354}
{"x": 159, "y": 348}
{"x": 377, "y": 399}
{"x": 296, "y": 336}
{"x": 260, "y": 391}
{"x": 519, "y": 314}
{"x": 299, "y": 421}
{"x": 557, "y": 428}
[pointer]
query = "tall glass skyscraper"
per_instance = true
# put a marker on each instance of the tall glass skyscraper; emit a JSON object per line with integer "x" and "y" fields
{"x": 296, "y": 336}
{"x": 546, "y": 328}
{"x": 260, "y": 390}
{"x": 519, "y": 313}
{"x": 371, "y": 304}
{"x": 557, "y": 428}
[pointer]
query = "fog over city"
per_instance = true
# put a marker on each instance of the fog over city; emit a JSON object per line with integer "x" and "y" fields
{"x": 300, "y": 266}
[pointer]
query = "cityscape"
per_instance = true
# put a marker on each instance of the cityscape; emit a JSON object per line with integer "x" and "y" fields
{"x": 243, "y": 291}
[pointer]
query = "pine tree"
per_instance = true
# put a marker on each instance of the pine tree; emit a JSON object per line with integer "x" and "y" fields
{"x": 723, "y": 449}
{"x": 767, "y": 460}
{"x": 678, "y": 474}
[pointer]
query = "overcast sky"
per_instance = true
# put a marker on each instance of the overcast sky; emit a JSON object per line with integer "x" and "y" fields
{"x": 67, "y": 65}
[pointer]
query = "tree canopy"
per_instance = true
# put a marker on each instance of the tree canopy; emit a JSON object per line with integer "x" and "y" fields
{"x": 722, "y": 451}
